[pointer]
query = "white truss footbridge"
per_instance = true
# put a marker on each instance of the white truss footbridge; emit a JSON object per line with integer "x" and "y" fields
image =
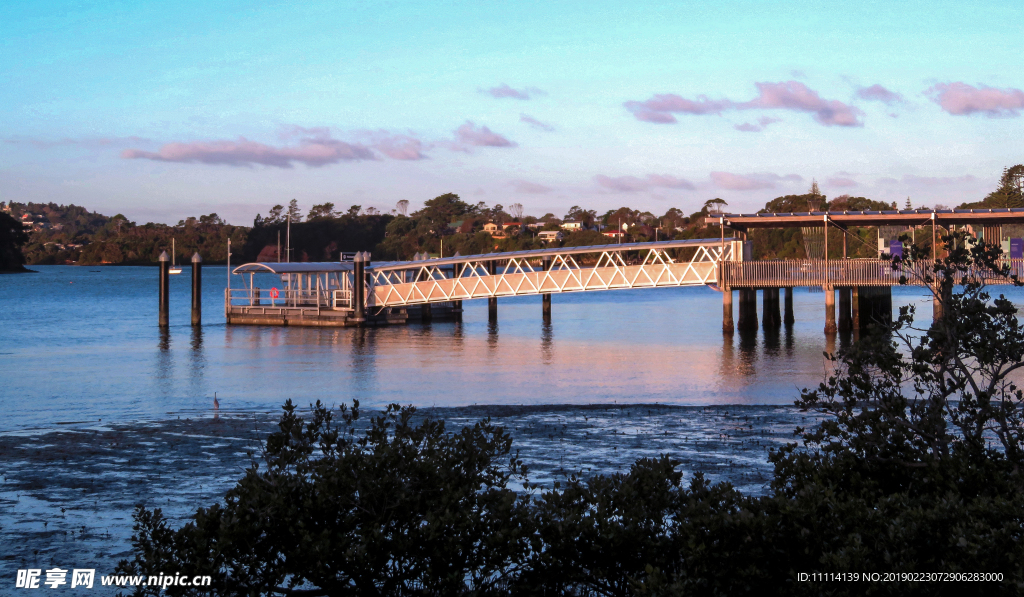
{"x": 550, "y": 271}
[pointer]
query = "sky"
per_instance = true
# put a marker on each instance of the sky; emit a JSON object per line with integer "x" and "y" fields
{"x": 164, "y": 110}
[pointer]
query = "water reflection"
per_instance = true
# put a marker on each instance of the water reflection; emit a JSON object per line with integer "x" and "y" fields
{"x": 492, "y": 333}
{"x": 747, "y": 352}
{"x": 546, "y": 341}
{"x": 772, "y": 341}
{"x": 608, "y": 351}
{"x": 197, "y": 362}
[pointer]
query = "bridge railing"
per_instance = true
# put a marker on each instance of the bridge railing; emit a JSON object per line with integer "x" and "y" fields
{"x": 844, "y": 272}
{"x": 262, "y": 297}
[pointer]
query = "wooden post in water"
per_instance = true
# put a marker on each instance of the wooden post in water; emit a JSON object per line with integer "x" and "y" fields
{"x": 492, "y": 302}
{"x": 855, "y": 308}
{"x": 165, "y": 301}
{"x": 748, "y": 309}
{"x": 788, "y": 317}
{"x": 830, "y": 310}
{"x": 770, "y": 316}
{"x": 546, "y": 297}
{"x": 727, "y": 324}
{"x": 358, "y": 289}
{"x": 197, "y": 289}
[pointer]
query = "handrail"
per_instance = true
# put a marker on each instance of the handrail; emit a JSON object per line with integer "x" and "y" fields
{"x": 260, "y": 297}
{"x": 845, "y": 272}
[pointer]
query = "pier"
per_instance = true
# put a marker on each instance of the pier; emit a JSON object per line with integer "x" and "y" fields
{"x": 362, "y": 292}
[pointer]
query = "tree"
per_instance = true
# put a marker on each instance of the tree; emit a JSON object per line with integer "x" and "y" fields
{"x": 516, "y": 211}
{"x": 1010, "y": 192}
{"x": 212, "y": 219}
{"x": 439, "y": 211}
{"x": 275, "y": 215}
{"x": 12, "y": 238}
{"x": 293, "y": 211}
{"x": 714, "y": 206}
{"x": 585, "y": 216}
{"x": 402, "y": 206}
{"x": 323, "y": 210}
{"x": 933, "y": 433}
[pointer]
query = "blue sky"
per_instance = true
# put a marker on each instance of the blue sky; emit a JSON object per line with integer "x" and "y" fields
{"x": 164, "y": 110}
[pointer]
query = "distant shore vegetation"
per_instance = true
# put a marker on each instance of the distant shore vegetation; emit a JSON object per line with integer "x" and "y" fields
{"x": 48, "y": 233}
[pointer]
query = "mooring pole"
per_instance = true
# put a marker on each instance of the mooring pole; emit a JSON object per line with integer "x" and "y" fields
{"x": 197, "y": 289}
{"x": 165, "y": 302}
{"x": 358, "y": 289}
{"x": 546, "y": 297}
{"x": 727, "y": 323}
{"x": 830, "y": 310}
{"x": 788, "y": 316}
{"x": 492, "y": 302}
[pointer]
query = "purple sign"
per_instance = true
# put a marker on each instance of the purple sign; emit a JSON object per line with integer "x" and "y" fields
{"x": 1017, "y": 248}
{"x": 896, "y": 248}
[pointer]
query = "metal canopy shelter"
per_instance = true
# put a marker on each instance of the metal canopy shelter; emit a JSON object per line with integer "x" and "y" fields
{"x": 915, "y": 217}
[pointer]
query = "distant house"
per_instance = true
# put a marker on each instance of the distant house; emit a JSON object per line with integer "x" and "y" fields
{"x": 613, "y": 233}
{"x": 500, "y": 230}
{"x": 550, "y": 235}
{"x": 573, "y": 225}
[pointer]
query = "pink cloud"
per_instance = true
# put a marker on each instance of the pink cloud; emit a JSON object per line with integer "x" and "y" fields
{"x": 504, "y": 91}
{"x": 470, "y": 134}
{"x": 793, "y": 95}
{"x": 631, "y": 184}
{"x": 751, "y": 182}
{"x": 400, "y": 147}
{"x": 530, "y": 120}
{"x": 762, "y": 122}
{"x": 962, "y": 99}
{"x": 658, "y": 109}
{"x": 311, "y": 151}
{"x": 841, "y": 182}
{"x": 879, "y": 94}
{"x": 531, "y": 188}
{"x": 788, "y": 95}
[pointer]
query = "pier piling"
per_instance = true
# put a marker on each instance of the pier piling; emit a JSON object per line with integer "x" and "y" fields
{"x": 748, "y": 309}
{"x": 770, "y": 316}
{"x": 546, "y": 297}
{"x": 197, "y": 289}
{"x": 855, "y": 308}
{"x": 830, "y": 310}
{"x": 788, "y": 317}
{"x": 727, "y": 323}
{"x": 165, "y": 302}
{"x": 845, "y": 312}
{"x": 492, "y": 302}
{"x": 358, "y": 289}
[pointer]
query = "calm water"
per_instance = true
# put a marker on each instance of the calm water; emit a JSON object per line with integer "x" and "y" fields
{"x": 80, "y": 344}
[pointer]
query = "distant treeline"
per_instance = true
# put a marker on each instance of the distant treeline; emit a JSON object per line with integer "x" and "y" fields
{"x": 63, "y": 234}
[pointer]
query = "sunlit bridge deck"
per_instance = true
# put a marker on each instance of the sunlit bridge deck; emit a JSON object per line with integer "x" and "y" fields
{"x": 548, "y": 271}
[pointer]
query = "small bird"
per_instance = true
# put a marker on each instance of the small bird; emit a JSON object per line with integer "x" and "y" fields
{"x": 216, "y": 404}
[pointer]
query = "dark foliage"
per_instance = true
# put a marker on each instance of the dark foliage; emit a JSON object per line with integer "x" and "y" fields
{"x": 12, "y": 238}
